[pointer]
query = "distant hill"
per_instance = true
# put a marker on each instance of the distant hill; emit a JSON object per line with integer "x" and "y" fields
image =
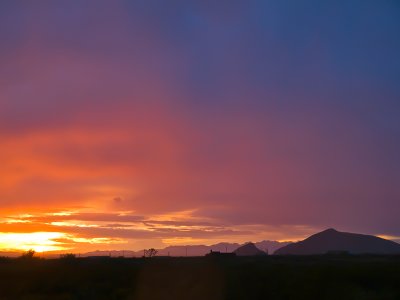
{"x": 249, "y": 249}
{"x": 191, "y": 250}
{"x": 332, "y": 240}
{"x": 201, "y": 250}
{"x": 270, "y": 246}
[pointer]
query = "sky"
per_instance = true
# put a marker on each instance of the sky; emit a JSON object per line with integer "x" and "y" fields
{"x": 134, "y": 124}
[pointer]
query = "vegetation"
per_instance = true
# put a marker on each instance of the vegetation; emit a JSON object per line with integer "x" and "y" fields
{"x": 28, "y": 254}
{"x": 68, "y": 256}
{"x": 150, "y": 252}
{"x": 269, "y": 277}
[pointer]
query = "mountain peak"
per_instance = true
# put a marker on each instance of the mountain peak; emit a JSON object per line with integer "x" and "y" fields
{"x": 330, "y": 230}
{"x": 248, "y": 249}
{"x": 331, "y": 240}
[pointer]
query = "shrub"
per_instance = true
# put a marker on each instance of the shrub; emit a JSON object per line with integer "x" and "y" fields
{"x": 68, "y": 256}
{"x": 28, "y": 254}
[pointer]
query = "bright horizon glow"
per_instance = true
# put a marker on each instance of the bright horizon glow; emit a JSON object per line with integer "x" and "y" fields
{"x": 73, "y": 231}
{"x": 37, "y": 241}
{"x": 59, "y": 241}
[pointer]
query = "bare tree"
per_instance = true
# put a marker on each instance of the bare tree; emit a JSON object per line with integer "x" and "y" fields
{"x": 150, "y": 252}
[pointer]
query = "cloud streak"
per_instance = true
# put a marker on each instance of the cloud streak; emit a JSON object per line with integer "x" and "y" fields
{"x": 245, "y": 114}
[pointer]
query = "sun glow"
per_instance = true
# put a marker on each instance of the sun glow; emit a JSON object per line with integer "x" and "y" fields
{"x": 38, "y": 241}
{"x": 389, "y": 237}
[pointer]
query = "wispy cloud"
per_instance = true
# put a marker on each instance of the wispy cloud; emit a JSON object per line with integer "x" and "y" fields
{"x": 157, "y": 121}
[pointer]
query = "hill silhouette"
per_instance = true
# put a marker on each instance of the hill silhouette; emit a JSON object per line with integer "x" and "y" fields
{"x": 331, "y": 240}
{"x": 248, "y": 249}
{"x": 190, "y": 250}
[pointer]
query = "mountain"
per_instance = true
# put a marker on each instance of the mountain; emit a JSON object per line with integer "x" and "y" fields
{"x": 249, "y": 249}
{"x": 270, "y": 246}
{"x": 332, "y": 240}
{"x": 201, "y": 250}
{"x": 191, "y": 250}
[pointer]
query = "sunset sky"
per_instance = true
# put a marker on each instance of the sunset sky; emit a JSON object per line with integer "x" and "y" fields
{"x": 132, "y": 124}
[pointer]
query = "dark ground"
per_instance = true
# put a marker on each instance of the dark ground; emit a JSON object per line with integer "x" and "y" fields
{"x": 313, "y": 277}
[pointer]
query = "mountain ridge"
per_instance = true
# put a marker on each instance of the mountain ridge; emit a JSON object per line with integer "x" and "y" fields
{"x": 193, "y": 250}
{"x": 249, "y": 249}
{"x": 331, "y": 240}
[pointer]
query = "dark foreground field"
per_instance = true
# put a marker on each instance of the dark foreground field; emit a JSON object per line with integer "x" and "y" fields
{"x": 323, "y": 277}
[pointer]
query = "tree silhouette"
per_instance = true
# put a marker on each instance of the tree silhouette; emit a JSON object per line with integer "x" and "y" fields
{"x": 150, "y": 252}
{"x": 28, "y": 254}
{"x": 68, "y": 256}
